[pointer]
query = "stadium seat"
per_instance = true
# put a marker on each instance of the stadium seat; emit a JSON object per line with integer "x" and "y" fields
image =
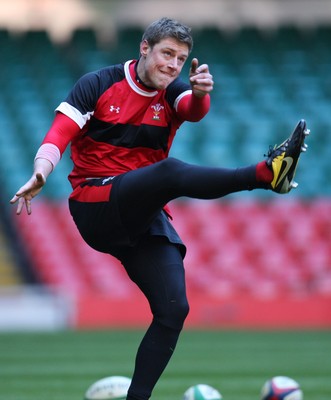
{"x": 256, "y": 242}
{"x": 263, "y": 80}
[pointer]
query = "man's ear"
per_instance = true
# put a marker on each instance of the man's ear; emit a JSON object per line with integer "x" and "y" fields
{"x": 144, "y": 46}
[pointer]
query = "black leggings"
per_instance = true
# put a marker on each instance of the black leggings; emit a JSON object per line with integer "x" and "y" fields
{"x": 121, "y": 228}
{"x": 156, "y": 266}
{"x": 142, "y": 193}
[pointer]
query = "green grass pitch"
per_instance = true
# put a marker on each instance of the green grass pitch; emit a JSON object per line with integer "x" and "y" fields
{"x": 61, "y": 365}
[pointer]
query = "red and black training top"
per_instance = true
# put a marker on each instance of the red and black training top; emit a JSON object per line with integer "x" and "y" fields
{"x": 120, "y": 124}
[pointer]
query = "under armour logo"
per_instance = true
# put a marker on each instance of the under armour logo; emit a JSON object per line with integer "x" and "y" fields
{"x": 113, "y": 108}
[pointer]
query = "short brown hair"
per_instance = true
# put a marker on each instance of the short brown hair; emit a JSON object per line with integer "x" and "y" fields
{"x": 168, "y": 28}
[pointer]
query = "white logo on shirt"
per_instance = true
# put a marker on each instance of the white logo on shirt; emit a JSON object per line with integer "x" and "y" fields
{"x": 157, "y": 110}
{"x": 116, "y": 109}
{"x": 110, "y": 178}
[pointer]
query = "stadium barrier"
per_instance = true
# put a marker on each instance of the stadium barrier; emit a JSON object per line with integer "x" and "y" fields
{"x": 310, "y": 312}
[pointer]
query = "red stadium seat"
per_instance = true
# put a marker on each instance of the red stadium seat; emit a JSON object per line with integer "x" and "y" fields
{"x": 259, "y": 248}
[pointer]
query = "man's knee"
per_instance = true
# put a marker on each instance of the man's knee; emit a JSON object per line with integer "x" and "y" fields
{"x": 171, "y": 166}
{"x": 175, "y": 314}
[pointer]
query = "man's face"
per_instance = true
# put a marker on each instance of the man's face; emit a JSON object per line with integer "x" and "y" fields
{"x": 160, "y": 65}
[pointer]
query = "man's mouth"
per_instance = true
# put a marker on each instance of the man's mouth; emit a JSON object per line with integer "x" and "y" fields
{"x": 169, "y": 75}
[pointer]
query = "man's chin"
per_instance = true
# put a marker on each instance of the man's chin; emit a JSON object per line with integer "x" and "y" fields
{"x": 163, "y": 85}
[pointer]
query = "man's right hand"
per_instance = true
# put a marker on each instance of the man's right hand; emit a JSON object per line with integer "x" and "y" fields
{"x": 27, "y": 192}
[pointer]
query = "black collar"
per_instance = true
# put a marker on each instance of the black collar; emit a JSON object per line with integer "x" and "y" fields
{"x": 137, "y": 78}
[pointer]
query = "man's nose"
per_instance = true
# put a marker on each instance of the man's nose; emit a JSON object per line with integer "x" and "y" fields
{"x": 173, "y": 63}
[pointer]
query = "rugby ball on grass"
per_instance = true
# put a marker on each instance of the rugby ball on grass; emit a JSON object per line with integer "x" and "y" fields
{"x": 281, "y": 388}
{"x": 109, "y": 388}
{"x": 202, "y": 392}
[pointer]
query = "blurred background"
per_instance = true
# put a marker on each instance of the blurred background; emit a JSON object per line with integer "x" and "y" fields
{"x": 255, "y": 259}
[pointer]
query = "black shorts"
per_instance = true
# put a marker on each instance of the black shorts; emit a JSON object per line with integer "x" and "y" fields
{"x": 100, "y": 223}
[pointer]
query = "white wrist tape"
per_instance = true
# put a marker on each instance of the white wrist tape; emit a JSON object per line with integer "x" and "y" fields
{"x": 49, "y": 152}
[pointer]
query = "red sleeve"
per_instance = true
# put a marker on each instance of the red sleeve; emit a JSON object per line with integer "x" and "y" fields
{"x": 192, "y": 108}
{"x": 61, "y": 132}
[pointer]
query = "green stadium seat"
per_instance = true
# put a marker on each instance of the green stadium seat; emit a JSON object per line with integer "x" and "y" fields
{"x": 127, "y": 43}
{"x": 264, "y": 82}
